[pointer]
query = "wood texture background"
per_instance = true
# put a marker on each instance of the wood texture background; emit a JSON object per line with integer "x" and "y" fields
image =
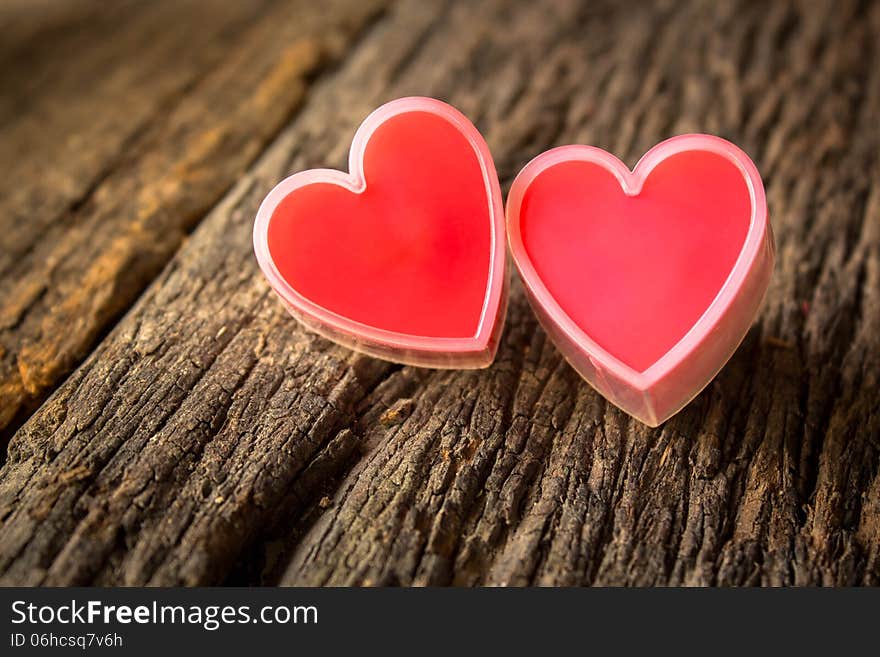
{"x": 168, "y": 423}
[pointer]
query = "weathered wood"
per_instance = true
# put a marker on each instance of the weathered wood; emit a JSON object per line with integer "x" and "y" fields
{"x": 116, "y": 152}
{"x": 208, "y": 439}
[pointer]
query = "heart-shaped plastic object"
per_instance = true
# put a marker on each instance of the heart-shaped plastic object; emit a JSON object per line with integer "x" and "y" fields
{"x": 646, "y": 280}
{"x": 402, "y": 258}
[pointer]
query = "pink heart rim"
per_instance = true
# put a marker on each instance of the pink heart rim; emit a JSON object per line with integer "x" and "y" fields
{"x": 474, "y": 351}
{"x": 631, "y": 182}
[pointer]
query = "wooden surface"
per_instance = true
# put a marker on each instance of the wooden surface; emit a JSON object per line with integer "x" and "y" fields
{"x": 169, "y": 423}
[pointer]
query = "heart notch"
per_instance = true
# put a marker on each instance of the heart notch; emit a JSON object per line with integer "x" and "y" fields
{"x": 646, "y": 280}
{"x": 402, "y": 258}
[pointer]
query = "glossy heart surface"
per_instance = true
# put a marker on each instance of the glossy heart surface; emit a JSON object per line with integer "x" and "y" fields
{"x": 647, "y": 279}
{"x": 403, "y": 257}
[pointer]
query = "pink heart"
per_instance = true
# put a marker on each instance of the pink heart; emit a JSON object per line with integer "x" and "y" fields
{"x": 403, "y": 258}
{"x": 646, "y": 280}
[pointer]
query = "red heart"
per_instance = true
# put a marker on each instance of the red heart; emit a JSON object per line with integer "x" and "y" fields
{"x": 647, "y": 280}
{"x": 403, "y": 258}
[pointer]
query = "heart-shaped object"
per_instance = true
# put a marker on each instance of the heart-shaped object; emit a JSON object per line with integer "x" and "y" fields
{"x": 646, "y": 280}
{"x": 402, "y": 258}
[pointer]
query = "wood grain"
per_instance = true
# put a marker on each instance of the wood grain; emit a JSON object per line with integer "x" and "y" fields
{"x": 117, "y": 152}
{"x": 208, "y": 439}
